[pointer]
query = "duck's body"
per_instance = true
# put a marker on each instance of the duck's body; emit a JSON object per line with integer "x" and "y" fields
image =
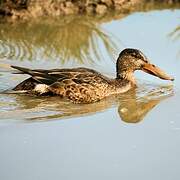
{"x": 83, "y": 85}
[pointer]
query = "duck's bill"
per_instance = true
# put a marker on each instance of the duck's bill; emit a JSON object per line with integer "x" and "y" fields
{"x": 155, "y": 71}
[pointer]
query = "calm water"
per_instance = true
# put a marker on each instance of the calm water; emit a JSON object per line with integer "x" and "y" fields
{"x": 132, "y": 136}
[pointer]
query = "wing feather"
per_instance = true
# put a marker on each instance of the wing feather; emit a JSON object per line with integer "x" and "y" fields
{"x": 81, "y": 85}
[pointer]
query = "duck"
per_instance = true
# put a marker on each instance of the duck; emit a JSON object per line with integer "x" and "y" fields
{"x": 84, "y": 85}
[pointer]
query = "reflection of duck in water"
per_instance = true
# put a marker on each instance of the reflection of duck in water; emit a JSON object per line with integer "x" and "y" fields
{"x": 82, "y": 85}
{"x": 132, "y": 106}
{"x": 133, "y": 109}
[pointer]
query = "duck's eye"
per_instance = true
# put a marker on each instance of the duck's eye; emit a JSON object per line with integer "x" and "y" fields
{"x": 145, "y": 61}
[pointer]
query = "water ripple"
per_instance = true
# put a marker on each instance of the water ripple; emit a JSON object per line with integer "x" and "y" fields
{"x": 4, "y": 49}
{"x": 16, "y": 51}
{"x": 56, "y": 39}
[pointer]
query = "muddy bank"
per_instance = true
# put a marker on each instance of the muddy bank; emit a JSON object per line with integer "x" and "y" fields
{"x": 25, "y": 9}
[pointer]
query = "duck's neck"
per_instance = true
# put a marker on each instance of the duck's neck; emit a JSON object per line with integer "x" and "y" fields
{"x": 124, "y": 70}
{"x": 128, "y": 76}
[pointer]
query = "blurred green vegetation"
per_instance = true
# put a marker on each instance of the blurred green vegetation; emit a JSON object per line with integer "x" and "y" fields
{"x": 70, "y": 38}
{"x": 67, "y": 38}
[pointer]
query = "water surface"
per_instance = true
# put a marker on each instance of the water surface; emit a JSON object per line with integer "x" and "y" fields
{"x": 134, "y": 135}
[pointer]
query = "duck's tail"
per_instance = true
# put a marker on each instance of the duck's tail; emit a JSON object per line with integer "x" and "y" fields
{"x": 39, "y": 75}
{"x": 22, "y": 70}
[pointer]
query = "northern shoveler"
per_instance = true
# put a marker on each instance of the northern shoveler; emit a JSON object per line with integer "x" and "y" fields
{"x": 83, "y": 85}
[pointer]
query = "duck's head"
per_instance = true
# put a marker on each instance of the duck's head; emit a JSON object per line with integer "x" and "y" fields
{"x": 130, "y": 60}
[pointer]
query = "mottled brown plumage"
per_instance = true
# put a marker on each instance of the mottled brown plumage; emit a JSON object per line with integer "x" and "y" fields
{"x": 83, "y": 85}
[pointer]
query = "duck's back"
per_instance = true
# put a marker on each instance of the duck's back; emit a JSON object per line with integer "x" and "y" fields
{"x": 81, "y": 85}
